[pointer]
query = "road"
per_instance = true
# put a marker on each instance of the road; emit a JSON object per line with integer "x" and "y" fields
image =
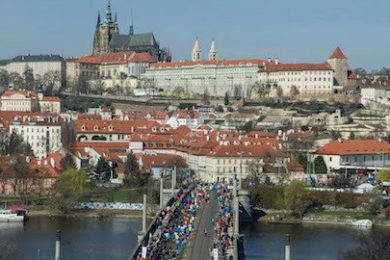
{"x": 201, "y": 243}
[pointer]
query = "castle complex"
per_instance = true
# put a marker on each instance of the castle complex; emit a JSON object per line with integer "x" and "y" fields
{"x": 108, "y": 39}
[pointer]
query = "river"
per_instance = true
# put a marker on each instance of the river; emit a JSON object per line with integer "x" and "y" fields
{"x": 115, "y": 238}
{"x": 267, "y": 241}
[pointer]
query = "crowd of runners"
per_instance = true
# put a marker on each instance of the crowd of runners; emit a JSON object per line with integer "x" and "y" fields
{"x": 223, "y": 224}
{"x": 174, "y": 225}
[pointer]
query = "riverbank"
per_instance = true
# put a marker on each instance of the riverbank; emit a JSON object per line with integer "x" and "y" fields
{"x": 90, "y": 213}
{"x": 319, "y": 218}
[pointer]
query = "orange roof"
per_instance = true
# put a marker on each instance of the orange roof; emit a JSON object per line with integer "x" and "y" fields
{"x": 338, "y": 54}
{"x": 297, "y": 67}
{"x": 117, "y": 58}
{"x": 51, "y": 99}
{"x": 27, "y": 94}
{"x": 114, "y": 126}
{"x": 257, "y": 62}
{"x": 351, "y": 147}
{"x": 147, "y": 161}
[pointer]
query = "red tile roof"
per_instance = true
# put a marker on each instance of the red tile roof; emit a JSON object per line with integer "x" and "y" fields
{"x": 148, "y": 161}
{"x": 297, "y": 67}
{"x": 338, "y": 54}
{"x": 51, "y": 99}
{"x": 351, "y": 147}
{"x": 209, "y": 63}
{"x": 27, "y": 94}
{"x": 117, "y": 58}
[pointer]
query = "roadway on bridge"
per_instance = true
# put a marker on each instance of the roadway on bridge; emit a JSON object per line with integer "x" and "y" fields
{"x": 202, "y": 244}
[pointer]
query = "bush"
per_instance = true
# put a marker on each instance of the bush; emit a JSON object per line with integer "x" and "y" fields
{"x": 267, "y": 197}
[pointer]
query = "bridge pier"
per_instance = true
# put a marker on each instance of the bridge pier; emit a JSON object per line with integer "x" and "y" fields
{"x": 142, "y": 233}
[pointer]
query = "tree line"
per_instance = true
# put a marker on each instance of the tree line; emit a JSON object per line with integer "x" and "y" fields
{"x": 47, "y": 83}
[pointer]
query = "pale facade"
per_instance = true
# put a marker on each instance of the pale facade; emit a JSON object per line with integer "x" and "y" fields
{"x": 307, "y": 78}
{"x": 40, "y": 64}
{"x": 29, "y": 101}
{"x": 44, "y": 137}
{"x": 18, "y": 101}
{"x": 235, "y": 77}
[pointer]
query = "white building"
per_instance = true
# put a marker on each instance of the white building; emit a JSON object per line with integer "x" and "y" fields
{"x": 355, "y": 154}
{"x": 29, "y": 101}
{"x": 19, "y": 101}
{"x": 217, "y": 77}
{"x": 40, "y": 64}
{"x": 379, "y": 95}
{"x": 41, "y": 131}
{"x": 307, "y": 78}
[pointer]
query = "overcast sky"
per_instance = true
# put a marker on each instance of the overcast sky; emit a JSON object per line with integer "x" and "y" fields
{"x": 293, "y": 31}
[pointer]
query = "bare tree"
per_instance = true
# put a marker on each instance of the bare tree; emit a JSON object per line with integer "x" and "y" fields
{"x": 255, "y": 170}
{"x": 15, "y": 80}
{"x": 99, "y": 86}
{"x": 28, "y": 76}
{"x": 4, "y": 78}
{"x": 294, "y": 91}
{"x": 261, "y": 89}
{"x": 51, "y": 82}
{"x": 279, "y": 91}
{"x": 22, "y": 177}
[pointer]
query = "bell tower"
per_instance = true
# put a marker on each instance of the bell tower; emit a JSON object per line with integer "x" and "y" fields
{"x": 196, "y": 51}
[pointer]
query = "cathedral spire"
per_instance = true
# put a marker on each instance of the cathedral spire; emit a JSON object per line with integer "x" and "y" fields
{"x": 108, "y": 18}
{"x": 98, "y": 20}
{"x": 116, "y": 18}
{"x": 131, "y": 28}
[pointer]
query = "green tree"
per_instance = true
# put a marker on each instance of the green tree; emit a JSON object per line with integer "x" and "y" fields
{"x": 320, "y": 166}
{"x": 15, "y": 145}
{"x": 297, "y": 198}
{"x": 352, "y": 136}
{"x": 67, "y": 162}
{"x": 103, "y": 168}
{"x": 383, "y": 175}
{"x": 226, "y": 99}
{"x": 132, "y": 172}
{"x": 68, "y": 190}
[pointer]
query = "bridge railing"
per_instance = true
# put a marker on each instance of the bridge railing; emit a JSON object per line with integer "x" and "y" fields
{"x": 157, "y": 223}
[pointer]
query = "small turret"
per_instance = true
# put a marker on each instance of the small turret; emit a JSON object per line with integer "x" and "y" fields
{"x": 213, "y": 52}
{"x": 196, "y": 51}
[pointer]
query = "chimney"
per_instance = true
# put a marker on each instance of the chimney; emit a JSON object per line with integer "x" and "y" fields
{"x": 45, "y": 162}
{"x": 269, "y": 60}
{"x": 339, "y": 140}
{"x": 276, "y": 61}
{"x": 52, "y": 163}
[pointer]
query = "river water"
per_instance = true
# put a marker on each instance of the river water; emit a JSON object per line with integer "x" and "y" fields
{"x": 267, "y": 241}
{"x": 115, "y": 238}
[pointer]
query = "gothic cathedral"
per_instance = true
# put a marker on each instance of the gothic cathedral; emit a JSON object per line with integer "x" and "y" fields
{"x": 108, "y": 39}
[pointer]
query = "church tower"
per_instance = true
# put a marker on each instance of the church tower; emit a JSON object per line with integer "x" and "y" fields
{"x": 213, "y": 52}
{"x": 196, "y": 51}
{"x": 339, "y": 63}
{"x": 104, "y": 32}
